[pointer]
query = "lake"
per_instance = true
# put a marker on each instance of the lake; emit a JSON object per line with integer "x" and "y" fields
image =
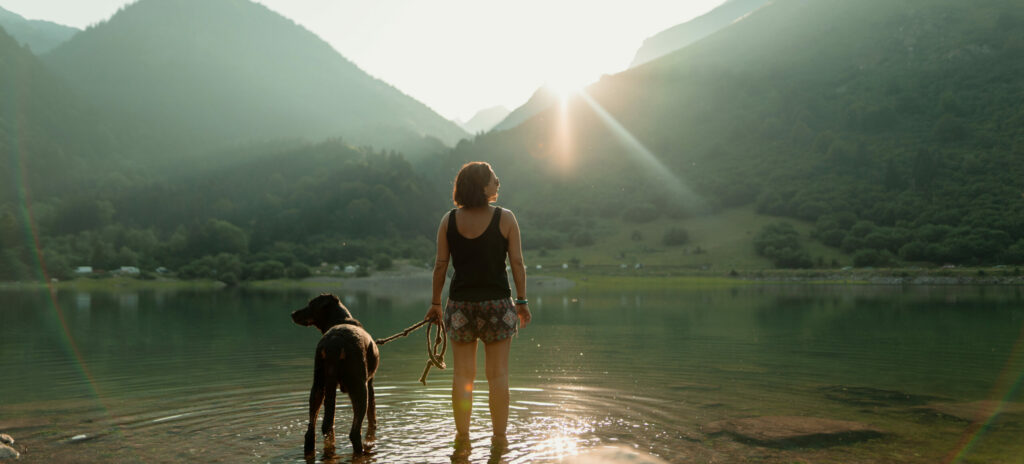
{"x": 224, "y": 376}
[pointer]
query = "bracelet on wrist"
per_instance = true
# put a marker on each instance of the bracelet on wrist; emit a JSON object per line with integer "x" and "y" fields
{"x": 520, "y": 301}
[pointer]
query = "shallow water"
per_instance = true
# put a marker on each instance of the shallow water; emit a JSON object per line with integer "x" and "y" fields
{"x": 223, "y": 376}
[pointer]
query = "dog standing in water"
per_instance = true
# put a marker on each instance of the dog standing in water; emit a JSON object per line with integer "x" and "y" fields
{"x": 346, "y": 359}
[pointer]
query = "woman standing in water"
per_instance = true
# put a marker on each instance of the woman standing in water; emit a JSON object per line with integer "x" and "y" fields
{"x": 478, "y": 237}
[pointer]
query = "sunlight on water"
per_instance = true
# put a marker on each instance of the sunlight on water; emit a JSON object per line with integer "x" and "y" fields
{"x": 557, "y": 447}
{"x": 205, "y": 393}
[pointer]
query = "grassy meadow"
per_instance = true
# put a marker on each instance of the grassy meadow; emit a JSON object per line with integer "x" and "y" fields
{"x": 720, "y": 242}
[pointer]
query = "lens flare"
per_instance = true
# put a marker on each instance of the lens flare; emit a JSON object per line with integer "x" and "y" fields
{"x": 1007, "y": 387}
{"x": 30, "y": 233}
{"x": 643, "y": 157}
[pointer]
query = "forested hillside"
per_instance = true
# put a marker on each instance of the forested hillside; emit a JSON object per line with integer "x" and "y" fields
{"x": 272, "y": 214}
{"x": 46, "y": 133}
{"x": 895, "y": 125}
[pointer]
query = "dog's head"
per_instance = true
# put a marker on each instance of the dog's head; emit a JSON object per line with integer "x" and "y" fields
{"x": 324, "y": 312}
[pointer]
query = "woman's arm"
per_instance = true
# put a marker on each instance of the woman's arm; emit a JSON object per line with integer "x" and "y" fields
{"x": 440, "y": 270}
{"x": 515, "y": 261}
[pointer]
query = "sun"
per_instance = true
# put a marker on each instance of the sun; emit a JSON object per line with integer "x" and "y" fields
{"x": 566, "y": 84}
{"x": 562, "y": 91}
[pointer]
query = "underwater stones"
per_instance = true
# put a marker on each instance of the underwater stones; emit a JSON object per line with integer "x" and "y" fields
{"x": 6, "y": 452}
{"x": 979, "y": 411}
{"x": 867, "y": 396}
{"x": 785, "y": 431}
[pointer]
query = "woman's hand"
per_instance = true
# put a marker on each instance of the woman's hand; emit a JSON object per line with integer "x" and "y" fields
{"x": 434, "y": 313}
{"x": 523, "y": 312}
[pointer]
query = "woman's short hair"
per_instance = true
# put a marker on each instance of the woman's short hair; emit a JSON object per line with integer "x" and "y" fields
{"x": 470, "y": 183}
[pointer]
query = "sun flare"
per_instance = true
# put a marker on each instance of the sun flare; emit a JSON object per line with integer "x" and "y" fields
{"x": 567, "y": 84}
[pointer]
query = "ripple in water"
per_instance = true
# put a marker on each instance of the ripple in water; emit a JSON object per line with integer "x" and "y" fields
{"x": 163, "y": 388}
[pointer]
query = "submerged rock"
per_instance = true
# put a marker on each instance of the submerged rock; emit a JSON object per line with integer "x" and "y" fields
{"x": 6, "y": 452}
{"x": 979, "y": 411}
{"x": 867, "y": 396}
{"x": 783, "y": 431}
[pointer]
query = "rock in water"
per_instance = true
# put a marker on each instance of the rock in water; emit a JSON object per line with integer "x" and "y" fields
{"x": 980, "y": 411}
{"x": 867, "y": 396}
{"x": 6, "y": 452}
{"x": 782, "y": 431}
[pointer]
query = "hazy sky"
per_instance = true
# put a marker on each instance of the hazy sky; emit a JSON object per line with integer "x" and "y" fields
{"x": 457, "y": 56}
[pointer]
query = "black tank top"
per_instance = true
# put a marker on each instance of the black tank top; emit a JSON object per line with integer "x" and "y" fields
{"x": 479, "y": 262}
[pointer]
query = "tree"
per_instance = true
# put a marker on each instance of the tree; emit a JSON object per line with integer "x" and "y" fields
{"x": 871, "y": 257}
{"x": 216, "y": 236}
{"x": 675, "y": 236}
{"x": 780, "y": 242}
{"x": 383, "y": 262}
{"x": 298, "y": 271}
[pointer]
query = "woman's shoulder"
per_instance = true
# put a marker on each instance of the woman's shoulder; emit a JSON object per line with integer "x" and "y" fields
{"x": 506, "y": 213}
{"x": 445, "y": 218}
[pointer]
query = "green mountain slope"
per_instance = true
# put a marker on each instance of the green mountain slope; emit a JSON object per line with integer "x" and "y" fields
{"x": 46, "y": 132}
{"x": 684, "y": 34}
{"x": 895, "y": 125}
{"x": 40, "y": 36}
{"x": 231, "y": 71}
{"x": 51, "y": 144}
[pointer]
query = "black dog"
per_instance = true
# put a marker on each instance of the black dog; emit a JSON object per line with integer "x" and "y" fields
{"x": 346, "y": 358}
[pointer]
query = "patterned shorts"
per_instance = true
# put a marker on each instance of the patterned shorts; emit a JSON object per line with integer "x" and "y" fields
{"x": 490, "y": 320}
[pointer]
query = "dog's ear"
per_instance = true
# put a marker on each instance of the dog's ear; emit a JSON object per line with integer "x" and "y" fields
{"x": 328, "y": 305}
{"x": 345, "y": 313}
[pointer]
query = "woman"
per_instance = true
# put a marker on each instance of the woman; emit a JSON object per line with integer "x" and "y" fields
{"x": 478, "y": 237}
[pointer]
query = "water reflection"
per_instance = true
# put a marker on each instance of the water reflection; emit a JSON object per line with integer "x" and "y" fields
{"x": 83, "y": 301}
{"x": 224, "y": 376}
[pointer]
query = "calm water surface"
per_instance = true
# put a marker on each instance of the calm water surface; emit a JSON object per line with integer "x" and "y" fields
{"x": 223, "y": 376}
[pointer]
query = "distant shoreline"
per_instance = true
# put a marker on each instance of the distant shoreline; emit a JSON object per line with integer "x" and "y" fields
{"x": 416, "y": 282}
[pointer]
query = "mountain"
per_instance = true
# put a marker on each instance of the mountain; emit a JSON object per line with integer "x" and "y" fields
{"x": 680, "y": 36}
{"x": 46, "y": 132}
{"x": 659, "y": 45}
{"x": 216, "y": 74}
{"x": 895, "y": 126}
{"x": 51, "y": 144}
{"x": 485, "y": 119}
{"x": 40, "y": 36}
{"x": 542, "y": 99}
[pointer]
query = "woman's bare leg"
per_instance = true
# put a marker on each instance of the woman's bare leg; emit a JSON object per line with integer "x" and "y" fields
{"x": 497, "y": 383}
{"x": 462, "y": 384}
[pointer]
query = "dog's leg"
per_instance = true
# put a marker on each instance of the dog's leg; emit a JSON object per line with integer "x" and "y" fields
{"x": 371, "y": 410}
{"x": 316, "y": 396}
{"x": 330, "y": 395}
{"x": 357, "y": 392}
